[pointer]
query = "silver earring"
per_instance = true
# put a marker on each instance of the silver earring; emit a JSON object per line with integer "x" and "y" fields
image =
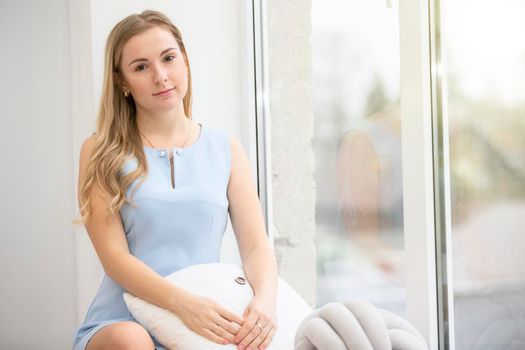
{"x": 126, "y": 93}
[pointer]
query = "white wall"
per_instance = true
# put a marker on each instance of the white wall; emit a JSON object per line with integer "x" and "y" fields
{"x": 38, "y": 300}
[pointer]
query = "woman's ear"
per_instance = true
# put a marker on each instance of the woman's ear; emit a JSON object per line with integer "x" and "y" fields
{"x": 120, "y": 83}
{"x": 117, "y": 79}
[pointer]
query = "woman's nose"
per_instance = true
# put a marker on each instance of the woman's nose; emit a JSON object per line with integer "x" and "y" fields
{"x": 159, "y": 74}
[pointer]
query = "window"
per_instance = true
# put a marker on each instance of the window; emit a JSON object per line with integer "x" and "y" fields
{"x": 357, "y": 146}
{"x": 486, "y": 113}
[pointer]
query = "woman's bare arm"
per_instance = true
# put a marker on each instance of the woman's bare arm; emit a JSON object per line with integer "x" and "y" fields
{"x": 248, "y": 224}
{"x": 256, "y": 253}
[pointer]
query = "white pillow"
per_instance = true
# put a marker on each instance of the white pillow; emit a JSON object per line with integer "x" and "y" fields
{"x": 219, "y": 282}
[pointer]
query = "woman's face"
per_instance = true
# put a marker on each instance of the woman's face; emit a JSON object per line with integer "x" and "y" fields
{"x": 153, "y": 69}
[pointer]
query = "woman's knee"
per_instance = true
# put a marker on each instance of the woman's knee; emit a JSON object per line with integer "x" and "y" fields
{"x": 126, "y": 335}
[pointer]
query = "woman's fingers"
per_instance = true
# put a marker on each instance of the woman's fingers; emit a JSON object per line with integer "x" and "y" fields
{"x": 226, "y": 329}
{"x": 268, "y": 339}
{"x": 229, "y": 323}
{"x": 249, "y": 338}
{"x": 224, "y": 325}
{"x": 263, "y": 335}
{"x": 254, "y": 336}
{"x": 246, "y": 328}
{"x": 230, "y": 316}
{"x": 214, "y": 337}
{"x": 206, "y": 317}
{"x": 254, "y": 344}
{"x": 223, "y": 333}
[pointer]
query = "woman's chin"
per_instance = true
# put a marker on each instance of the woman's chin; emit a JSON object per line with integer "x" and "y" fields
{"x": 164, "y": 105}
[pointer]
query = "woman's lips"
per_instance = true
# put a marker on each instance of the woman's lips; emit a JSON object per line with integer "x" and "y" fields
{"x": 163, "y": 92}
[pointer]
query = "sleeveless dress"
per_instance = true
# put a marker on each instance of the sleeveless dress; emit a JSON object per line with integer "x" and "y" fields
{"x": 171, "y": 227}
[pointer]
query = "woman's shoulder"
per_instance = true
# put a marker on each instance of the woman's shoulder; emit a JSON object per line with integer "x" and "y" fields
{"x": 220, "y": 138}
{"x": 89, "y": 142}
{"x": 232, "y": 144}
{"x": 87, "y": 147}
{"x": 215, "y": 130}
{"x": 217, "y": 134}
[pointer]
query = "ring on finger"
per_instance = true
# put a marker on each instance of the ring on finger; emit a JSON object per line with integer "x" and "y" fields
{"x": 260, "y": 326}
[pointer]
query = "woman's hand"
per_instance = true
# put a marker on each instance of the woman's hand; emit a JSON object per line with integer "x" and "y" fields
{"x": 206, "y": 317}
{"x": 259, "y": 325}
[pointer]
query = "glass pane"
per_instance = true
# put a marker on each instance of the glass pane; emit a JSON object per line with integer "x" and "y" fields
{"x": 357, "y": 145}
{"x": 486, "y": 104}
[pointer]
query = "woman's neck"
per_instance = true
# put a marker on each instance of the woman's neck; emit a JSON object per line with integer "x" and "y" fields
{"x": 162, "y": 125}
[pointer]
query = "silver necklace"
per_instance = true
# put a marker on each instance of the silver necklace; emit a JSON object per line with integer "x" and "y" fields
{"x": 171, "y": 153}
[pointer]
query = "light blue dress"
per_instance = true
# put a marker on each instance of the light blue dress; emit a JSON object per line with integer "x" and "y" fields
{"x": 170, "y": 228}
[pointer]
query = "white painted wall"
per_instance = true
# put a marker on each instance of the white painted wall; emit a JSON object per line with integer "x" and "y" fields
{"x": 52, "y": 60}
{"x": 37, "y": 253}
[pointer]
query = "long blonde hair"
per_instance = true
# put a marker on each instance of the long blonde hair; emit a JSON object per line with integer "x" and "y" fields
{"x": 117, "y": 137}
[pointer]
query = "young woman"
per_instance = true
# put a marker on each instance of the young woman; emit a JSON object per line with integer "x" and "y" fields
{"x": 155, "y": 190}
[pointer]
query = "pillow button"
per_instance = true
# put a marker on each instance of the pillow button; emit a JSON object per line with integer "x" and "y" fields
{"x": 240, "y": 280}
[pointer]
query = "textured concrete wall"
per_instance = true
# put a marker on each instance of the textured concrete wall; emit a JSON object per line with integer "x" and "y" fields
{"x": 290, "y": 75}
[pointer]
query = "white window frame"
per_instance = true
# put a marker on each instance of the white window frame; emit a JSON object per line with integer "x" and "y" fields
{"x": 417, "y": 162}
{"x": 426, "y": 179}
{"x": 262, "y": 122}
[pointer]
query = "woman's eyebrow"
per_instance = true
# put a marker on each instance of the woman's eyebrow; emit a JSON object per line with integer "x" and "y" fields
{"x": 145, "y": 60}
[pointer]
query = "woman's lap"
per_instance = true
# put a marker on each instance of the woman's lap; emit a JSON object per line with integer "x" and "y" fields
{"x": 81, "y": 342}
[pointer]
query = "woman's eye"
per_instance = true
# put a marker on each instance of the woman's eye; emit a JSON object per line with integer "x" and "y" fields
{"x": 140, "y": 67}
{"x": 169, "y": 58}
